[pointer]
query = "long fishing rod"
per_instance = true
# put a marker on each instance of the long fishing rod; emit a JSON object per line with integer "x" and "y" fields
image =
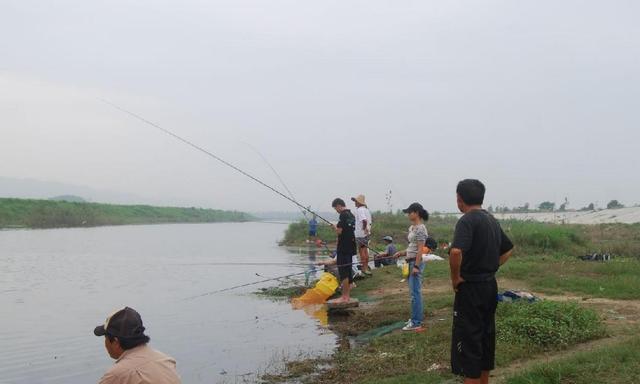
{"x": 266, "y": 264}
{"x": 272, "y": 279}
{"x": 218, "y": 158}
{"x": 221, "y": 160}
{"x": 244, "y": 285}
{"x": 304, "y": 213}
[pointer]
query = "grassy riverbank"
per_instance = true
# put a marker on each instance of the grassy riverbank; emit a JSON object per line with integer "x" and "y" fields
{"x": 26, "y": 213}
{"x": 532, "y": 238}
{"x": 579, "y": 334}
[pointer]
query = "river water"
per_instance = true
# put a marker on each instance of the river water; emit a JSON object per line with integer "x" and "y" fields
{"x": 57, "y": 285}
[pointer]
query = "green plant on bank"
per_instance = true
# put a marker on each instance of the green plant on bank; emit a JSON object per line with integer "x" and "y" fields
{"x": 524, "y": 329}
{"x": 547, "y": 324}
{"x": 617, "y": 279}
{"x": 530, "y": 237}
{"x": 54, "y": 214}
{"x": 614, "y": 364}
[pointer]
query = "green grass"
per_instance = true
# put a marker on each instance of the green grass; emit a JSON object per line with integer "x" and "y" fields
{"x": 411, "y": 378}
{"x": 54, "y": 214}
{"x": 547, "y": 324}
{"x": 523, "y": 329}
{"x": 530, "y": 237}
{"x": 615, "y": 364}
{"x": 617, "y": 279}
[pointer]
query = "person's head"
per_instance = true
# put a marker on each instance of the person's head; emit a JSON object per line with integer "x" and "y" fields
{"x": 359, "y": 201}
{"x": 387, "y": 240}
{"x": 470, "y": 194}
{"x": 122, "y": 330}
{"x": 416, "y": 213}
{"x": 338, "y": 204}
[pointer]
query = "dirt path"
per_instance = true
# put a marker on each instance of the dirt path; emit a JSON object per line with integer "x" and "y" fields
{"x": 500, "y": 375}
{"x": 619, "y": 315}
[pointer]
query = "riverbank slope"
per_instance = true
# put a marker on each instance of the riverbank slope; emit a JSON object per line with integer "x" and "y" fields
{"x": 29, "y": 213}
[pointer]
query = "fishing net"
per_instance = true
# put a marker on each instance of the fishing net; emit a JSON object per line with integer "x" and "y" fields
{"x": 377, "y": 332}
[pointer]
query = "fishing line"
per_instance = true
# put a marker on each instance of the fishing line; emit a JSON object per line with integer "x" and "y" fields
{"x": 244, "y": 285}
{"x": 304, "y": 213}
{"x": 244, "y": 264}
{"x": 273, "y": 279}
{"x": 218, "y": 158}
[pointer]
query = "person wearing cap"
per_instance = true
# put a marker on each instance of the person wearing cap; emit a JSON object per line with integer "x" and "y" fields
{"x": 363, "y": 231}
{"x": 136, "y": 362}
{"x": 346, "y": 248}
{"x": 413, "y": 255}
{"x": 386, "y": 257}
{"x": 478, "y": 250}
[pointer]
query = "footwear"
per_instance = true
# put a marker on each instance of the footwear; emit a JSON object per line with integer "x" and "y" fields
{"x": 412, "y": 327}
{"x": 368, "y": 272}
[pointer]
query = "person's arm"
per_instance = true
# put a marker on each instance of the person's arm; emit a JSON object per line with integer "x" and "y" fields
{"x": 364, "y": 227}
{"x": 338, "y": 227}
{"x": 505, "y": 256}
{"x": 506, "y": 247}
{"x": 400, "y": 254}
{"x": 462, "y": 239}
{"x": 455, "y": 261}
{"x": 418, "y": 262}
{"x": 108, "y": 378}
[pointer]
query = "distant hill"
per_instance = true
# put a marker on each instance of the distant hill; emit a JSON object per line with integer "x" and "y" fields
{"x": 30, "y": 213}
{"x": 40, "y": 189}
{"x": 69, "y": 198}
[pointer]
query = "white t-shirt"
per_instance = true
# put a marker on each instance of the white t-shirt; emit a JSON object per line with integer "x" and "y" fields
{"x": 362, "y": 213}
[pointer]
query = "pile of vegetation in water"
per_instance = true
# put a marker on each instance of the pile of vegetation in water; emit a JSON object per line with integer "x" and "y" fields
{"x": 28, "y": 213}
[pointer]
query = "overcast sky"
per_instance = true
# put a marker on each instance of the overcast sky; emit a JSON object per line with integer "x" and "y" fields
{"x": 539, "y": 99}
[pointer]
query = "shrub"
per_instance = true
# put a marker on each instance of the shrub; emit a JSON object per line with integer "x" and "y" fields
{"x": 547, "y": 324}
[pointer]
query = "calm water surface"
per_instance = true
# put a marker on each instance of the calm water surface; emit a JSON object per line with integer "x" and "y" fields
{"x": 57, "y": 285}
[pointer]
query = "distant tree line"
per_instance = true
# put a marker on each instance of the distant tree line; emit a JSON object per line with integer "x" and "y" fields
{"x": 550, "y": 206}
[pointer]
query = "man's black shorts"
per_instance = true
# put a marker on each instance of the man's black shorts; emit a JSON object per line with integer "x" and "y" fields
{"x": 473, "y": 343}
{"x": 344, "y": 262}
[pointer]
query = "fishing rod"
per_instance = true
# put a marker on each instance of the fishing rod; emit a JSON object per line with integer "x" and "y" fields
{"x": 221, "y": 160}
{"x": 218, "y": 158}
{"x": 245, "y": 264}
{"x": 273, "y": 279}
{"x": 304, "y": 213}
{"x": 244, "y": 285}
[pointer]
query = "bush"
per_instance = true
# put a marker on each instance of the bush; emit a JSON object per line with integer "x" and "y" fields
{"x": 544, "y": 237}
{"x": 547, "y": 324}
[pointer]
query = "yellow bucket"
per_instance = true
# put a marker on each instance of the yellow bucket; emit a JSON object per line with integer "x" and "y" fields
{"x": 405, "y": 269}
{"x": 318, "y": 294}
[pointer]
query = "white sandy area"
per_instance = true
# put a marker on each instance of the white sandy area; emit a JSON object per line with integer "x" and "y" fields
{"x": 623, "y": 215}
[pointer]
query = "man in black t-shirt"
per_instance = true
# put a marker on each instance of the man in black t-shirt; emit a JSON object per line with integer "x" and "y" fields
{"x": 346, "y": 247}
{"x": 479, "y": 248}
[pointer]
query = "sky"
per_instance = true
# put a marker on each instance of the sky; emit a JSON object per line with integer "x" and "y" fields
{"x": 538, "y": 99}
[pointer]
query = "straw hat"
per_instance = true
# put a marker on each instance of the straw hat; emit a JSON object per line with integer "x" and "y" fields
{"x": 359, "y": 199}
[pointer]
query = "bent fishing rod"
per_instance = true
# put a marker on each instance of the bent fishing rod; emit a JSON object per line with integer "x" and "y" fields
{"x": 304, "y": 213}
{"x": 274, "y": 279}
{"x": 214, "y": 156}
{"x": 221, "y": 160}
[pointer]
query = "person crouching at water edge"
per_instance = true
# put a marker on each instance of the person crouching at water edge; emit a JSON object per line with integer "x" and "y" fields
{"x": 136, "y": 363}
{"x": 417, "y": 238}
{"x": 346, "y": 248}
